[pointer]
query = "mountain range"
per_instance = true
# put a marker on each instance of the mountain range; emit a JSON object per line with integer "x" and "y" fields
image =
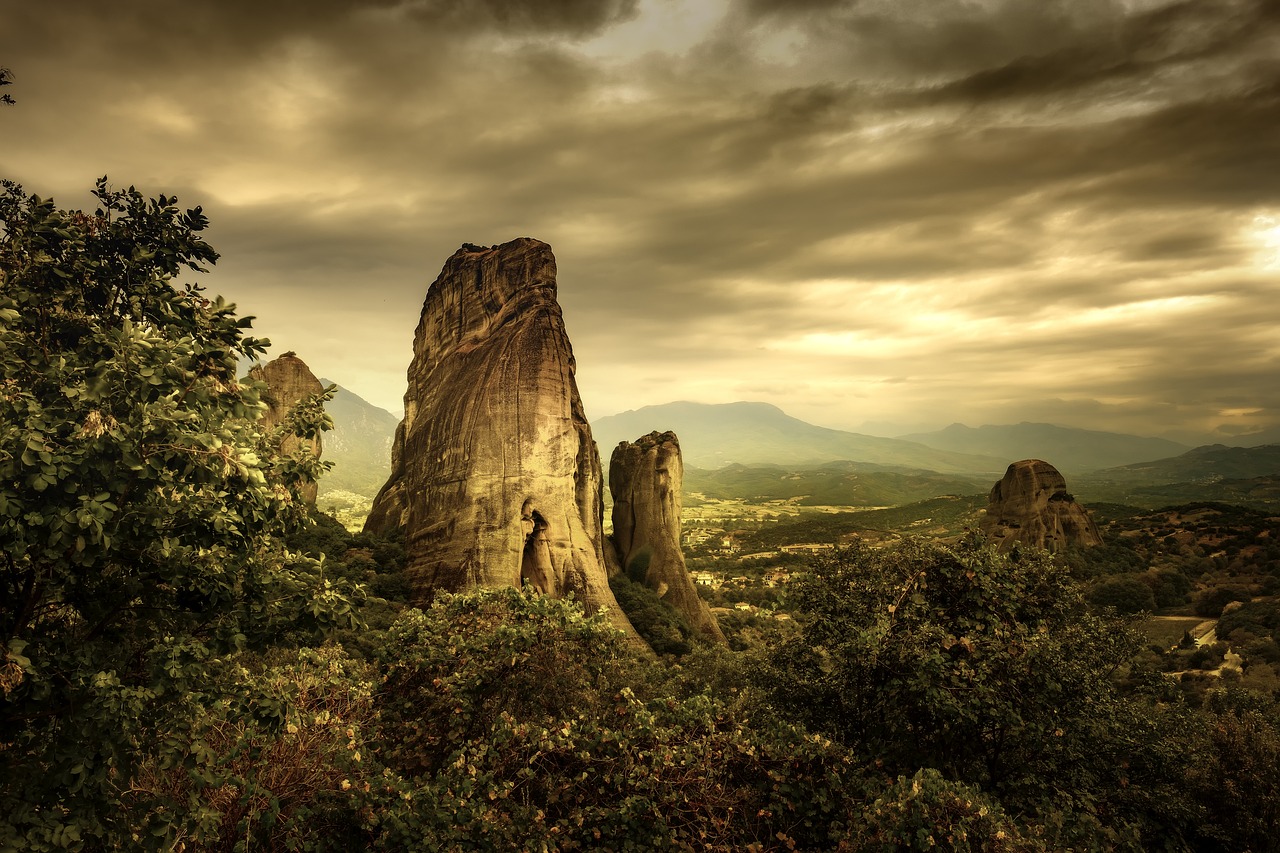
{"x": 756, "y": 450}
{"x": 715, "y": 435}
{"x": 1248, "y": 476}
{"x": 1071, "y": 451}
{"x": 359, "y": 445}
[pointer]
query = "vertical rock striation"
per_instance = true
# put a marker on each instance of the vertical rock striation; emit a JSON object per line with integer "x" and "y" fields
{"x": 289, "y": 381}
{"x": 645, "y": 479}
{"x": 495, "y": 478}
{"x": 1030, "y": 505}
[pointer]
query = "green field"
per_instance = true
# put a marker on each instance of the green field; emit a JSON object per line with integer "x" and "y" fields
{"x": 1167, "y": 631}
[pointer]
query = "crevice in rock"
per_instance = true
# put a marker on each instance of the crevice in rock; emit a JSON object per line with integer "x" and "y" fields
{"x": 535, "y": 560}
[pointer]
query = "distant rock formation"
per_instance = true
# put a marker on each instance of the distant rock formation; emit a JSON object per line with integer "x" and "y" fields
{"x": 645, "y": 479}
{"x": 1030, "y": 505}
{"x": 289, "y": 381}
{"x": 495, "y": 478}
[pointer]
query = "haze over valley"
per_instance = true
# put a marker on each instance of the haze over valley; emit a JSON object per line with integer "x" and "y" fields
{"x": 748, "y": 449}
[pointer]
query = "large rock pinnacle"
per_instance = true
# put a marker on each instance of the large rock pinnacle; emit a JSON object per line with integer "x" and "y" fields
{"x": 645, "y": 479}
{"x": 1030, "y": 505}
{"x": 495, "y": 478}
{"x": 289, "y": 381}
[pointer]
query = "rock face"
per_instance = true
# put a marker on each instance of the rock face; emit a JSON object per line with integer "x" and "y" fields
{"x": 645, "y": 479}
{"x": 495, "y": 478}
{"x": 1030, "y": 505}
{"x": 289, "y": 381}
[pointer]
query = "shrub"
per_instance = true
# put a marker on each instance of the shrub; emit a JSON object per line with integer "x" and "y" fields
{"x": 986, "y": 667}
{"x": 929, "y": 812}
{"x": 247, "y": 779}
{"x": 1126, "y": 594}
{"x": 665, "y": 629}
{"x": 509, "y": 724}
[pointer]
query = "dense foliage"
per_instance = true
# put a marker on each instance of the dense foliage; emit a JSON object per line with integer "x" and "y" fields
{"x": 140, "y": 504}
{"x": 992, "y": 672}
{"x": 658, "y": 623}
{"x": 989, "y": 668}
{"x": 514, "y": 721}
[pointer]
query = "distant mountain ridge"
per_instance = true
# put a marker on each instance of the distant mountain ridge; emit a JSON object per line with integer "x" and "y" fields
{"x": 1070, "y": 450}
{"x": 759, "y": 434}
{"x": 359, "y": 444}
{"x": 1249, "y": 476}
{"x": 1210, "y": 463}
{"x": 748, "y": 433}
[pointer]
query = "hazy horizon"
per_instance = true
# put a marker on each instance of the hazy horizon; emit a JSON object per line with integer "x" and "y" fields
{"x": 878, "y": 429}
{"x": 865, "y": 212}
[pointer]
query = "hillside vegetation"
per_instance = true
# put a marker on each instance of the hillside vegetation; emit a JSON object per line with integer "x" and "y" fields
{"x": 1249, "y": 476}
{"x": 833, "y": 484}
{"x": 359, "y": 445}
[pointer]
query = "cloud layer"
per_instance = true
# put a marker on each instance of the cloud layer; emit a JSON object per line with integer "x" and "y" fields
{"x": 881, "y": 210}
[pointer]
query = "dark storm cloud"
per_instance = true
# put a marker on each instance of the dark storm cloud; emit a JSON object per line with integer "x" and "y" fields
{"x": 571, "y": 17}
{"x": 230, "y": 25}
{"x": 991, "y": 202}
{"x": 1129, "y": 50}
{"x": 916, "y": 40}
{"x": 764, "y": 8}
{"x": 1205, "y": 248}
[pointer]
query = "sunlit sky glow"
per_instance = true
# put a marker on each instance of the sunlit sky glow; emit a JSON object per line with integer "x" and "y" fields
{"x": 868, "y": 212}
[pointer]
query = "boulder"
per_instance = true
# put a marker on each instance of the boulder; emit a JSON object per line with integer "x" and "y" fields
{"x": 495, "y": 478}
{"x": 645, "y": 479}
{"x": 1031, "y": 505}
{"x": 289, "y": 381}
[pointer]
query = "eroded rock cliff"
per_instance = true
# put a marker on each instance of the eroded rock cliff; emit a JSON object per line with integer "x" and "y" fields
{"x": 289, "y": 381}
{"x": 495, "y": 477}
{"x": 645, "y": 479}
{"x": 1031, "y": 505}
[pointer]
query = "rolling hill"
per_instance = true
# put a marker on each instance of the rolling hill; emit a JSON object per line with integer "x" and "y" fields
{"x": 832, "y": 484}
{"x": 1249, "y": 476}
{"x": 1072, "y": 451}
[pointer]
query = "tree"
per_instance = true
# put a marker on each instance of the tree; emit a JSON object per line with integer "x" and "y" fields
{"x": 1169, "y": 586}
{"x": 1125, "y": 593}
{"x": 6, "y": 79}
{"x": 1212, "y": 601}
{"x": 140, "y": 507}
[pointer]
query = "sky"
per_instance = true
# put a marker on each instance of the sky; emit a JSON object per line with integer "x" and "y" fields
{"x": 879, "y": 215}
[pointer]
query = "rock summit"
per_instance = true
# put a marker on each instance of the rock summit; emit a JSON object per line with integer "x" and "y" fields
{"x": 289, "y": 381}
{"x": 496, "y": 480}
{"x": 645, "y": 479}
{"x": 1031, "y": 505}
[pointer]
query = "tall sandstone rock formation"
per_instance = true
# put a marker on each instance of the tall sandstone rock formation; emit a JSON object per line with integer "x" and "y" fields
{"x": 289, "y": 381}
{"x": 1030, "y": 505}
{"x": 645, "y": 479}
{"x": 495, "y": 478}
